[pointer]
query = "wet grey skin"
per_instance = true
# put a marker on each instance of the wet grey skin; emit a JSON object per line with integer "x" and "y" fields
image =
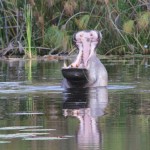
{"x": 86, "y": 42}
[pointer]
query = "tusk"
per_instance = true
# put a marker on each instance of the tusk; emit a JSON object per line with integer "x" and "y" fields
{"x": 77, "y": 62}
{"x": 65, "y": 66}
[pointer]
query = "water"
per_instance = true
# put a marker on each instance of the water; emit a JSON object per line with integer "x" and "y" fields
{"x": 36, "y": 113}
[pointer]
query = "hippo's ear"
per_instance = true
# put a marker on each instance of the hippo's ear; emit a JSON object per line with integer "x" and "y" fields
{"x": 74, "y": 38}
{"x": 99, "y": 36}
{"x": 77, "y": 38}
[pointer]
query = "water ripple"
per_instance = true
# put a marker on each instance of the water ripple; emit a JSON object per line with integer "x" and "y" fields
{"x": 21, "y": 87}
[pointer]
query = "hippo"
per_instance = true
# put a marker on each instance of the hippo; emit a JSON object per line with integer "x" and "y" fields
{"x": 87, "y": 69}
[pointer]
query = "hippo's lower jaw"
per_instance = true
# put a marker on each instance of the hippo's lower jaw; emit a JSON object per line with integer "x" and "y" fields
{"x": 75, "y": 77}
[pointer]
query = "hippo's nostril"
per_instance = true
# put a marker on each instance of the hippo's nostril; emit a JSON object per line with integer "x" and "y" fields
{"x": 88, "y": 39}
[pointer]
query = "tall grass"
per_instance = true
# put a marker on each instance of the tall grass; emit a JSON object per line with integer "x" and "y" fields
{"x": 28, "y": 20}
{"x": 1, "y": 36}
{"x": 30, "y": 51}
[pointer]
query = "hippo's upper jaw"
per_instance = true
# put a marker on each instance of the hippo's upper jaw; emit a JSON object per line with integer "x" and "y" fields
{"x": 86, "y": 42}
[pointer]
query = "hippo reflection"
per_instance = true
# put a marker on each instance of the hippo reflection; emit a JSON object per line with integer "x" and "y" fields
{"x": 95, "y": 74}
{"x": 87, "y": 105}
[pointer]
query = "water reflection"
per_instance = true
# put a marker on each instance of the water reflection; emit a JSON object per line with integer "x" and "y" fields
{"x": 39, "y": 71}
{"x": 30, "y": 96}
{"x": 86, "y": 105}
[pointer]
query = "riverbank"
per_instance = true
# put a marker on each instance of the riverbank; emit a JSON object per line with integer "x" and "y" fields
{"x": 48, "y": 27}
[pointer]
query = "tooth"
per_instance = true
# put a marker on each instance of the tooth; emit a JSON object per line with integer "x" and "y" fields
{"x": 65, "y": 66}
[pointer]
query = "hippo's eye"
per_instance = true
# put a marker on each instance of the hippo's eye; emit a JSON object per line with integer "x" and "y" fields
{"x": 81, "y": 35}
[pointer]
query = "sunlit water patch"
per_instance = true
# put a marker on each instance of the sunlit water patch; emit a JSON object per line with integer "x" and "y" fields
{"x": 121, "y": 87}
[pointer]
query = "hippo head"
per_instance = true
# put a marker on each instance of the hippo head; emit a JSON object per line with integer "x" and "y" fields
{"x": 86, "y": 42}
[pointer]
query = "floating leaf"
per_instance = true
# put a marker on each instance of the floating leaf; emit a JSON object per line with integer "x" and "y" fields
{"x": 68, "y": 136}
{"x": 27, "y": 113}
{"x": 19, "y": 127}
{"x": 5, "y": 142}
{"x": 20, "y": 135}
{"x": 34, "y": 130}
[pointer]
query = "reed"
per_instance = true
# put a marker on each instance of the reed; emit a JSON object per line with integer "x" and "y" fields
{"x": 28, "y": 20}
{"x": 1, "y": 36}
{"x": 28, "y": 70}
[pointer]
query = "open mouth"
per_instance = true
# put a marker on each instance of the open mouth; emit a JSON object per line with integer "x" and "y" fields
{"x": 86, "y": 42}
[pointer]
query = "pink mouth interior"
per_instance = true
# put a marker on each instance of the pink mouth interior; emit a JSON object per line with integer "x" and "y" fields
{"x": 86, "y": 51}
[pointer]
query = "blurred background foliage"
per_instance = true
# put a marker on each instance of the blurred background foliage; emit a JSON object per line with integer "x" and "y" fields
{"x": 124, "y": 24}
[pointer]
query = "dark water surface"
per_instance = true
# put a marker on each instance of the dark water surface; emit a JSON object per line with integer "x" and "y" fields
{"x": 37, "y": 114}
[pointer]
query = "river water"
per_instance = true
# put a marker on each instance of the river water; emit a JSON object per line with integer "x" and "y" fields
{"x": 37, "y": 114}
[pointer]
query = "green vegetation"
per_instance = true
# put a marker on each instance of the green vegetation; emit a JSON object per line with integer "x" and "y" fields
{"x": 47, "y": 26}
{"x": 28, "y": 20}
